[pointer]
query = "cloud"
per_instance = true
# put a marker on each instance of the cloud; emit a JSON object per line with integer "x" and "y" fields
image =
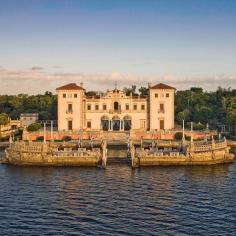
{"x": 39, "y": 81}
{"x": 36, "y": 68}
{"x": 56, "y": 67}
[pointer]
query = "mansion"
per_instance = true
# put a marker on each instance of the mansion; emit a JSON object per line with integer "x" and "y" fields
{"x": 114, "y": 110}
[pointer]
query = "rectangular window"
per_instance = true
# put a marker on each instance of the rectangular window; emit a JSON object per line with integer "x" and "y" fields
{"x": 96, "y": 107}
{"x": 156, "y": 95}
{"x": 162, "y": 107}
{"x": 75, "y": 95}
{"x": 104, "y": 107}
{"x": 69, "y": 108}
{"x": 162, "y": 124}
{"x": 135, "y": 106}
{"x": 142, "y": 107}
{"x": 167, "y": 95}
{"x": 64, "y": 95}
{"x": 88, "y": 107}
{"x": 142, "y": 124}
{"x": 127, "y": 107}
{"x": 89, "y": 124}
{"x": 70, "y": 125}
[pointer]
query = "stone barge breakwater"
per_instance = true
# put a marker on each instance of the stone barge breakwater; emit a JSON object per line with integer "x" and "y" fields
{"x": 54, "y": 154}
{"x": 137, "y": 154}
{"x": 191, "y": 153}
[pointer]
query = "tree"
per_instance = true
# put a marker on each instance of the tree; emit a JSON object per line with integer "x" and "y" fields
{"x": 129, "y": 91}
{"x": 231, "y": 112}
{"x": 182, "y": 115}
{"x": 196, "y": 90}
{"x": 34, "y": 127}
{"x": 91, "y": 93}
{"x": 143, "y": 91}
{"x": 4, "y": 119}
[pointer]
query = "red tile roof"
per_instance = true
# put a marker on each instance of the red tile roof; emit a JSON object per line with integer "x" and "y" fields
{"x": 71, "y": 86}
{"x": 161, "y": 86}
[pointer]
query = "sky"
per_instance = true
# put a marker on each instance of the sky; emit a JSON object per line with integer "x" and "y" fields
{"x": 48, "y": 43}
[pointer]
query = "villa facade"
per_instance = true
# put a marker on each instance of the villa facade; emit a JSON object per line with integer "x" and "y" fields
{"x": 114, "y": 111}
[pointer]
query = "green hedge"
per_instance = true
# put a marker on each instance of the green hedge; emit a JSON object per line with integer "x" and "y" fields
{"x": 67, "y": 138}
{"x": 179, "y": 136}
{"x": 34, "y": 127}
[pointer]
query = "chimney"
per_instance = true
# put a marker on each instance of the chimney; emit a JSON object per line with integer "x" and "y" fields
{"x": 81, "y": 84}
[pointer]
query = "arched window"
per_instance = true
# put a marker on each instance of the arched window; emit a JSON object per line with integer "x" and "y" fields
{"x": 127, "y": 123}
{"x": 105, "y": 123}
{"x": 104, "y": 117}
{"x": 127, "y": 117}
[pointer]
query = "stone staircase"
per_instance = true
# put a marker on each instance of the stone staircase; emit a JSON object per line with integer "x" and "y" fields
{"x": 117, "y": 154}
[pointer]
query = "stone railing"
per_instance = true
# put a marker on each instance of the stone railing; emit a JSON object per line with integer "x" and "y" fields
{"x": 41, "y": 147}
{"x": 208, "y": 146}
{"x": 221, "y": 145}
{"x": 78, "y": 153}
{"x": 27, "y": 147}
{"x": 154, "y": 152}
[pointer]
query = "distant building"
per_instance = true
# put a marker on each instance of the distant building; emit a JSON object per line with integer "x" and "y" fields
{"x": 10, "y": 128}
{"x": 28, "y": 118}
{"x": 114, "y": 111}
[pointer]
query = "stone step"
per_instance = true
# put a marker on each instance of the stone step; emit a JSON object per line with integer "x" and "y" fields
{"x": 117, "y": 153}
{"x": 118, "y": 160}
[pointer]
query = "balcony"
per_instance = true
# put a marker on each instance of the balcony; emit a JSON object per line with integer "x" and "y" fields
{"x": 69, "y": 111}
{"x": 161, "y": 111}
{"x": 112, "y": 111}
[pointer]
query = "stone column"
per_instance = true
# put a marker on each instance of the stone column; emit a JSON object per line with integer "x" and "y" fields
{"x": 110, "y": 125}
{"x": 183, "y": 136}
{"x": 44, "y": 132}
{"x": 191, "y": 132}
{"x": 213, "y": 142}
{"x": 51, "y": 135}
{"x": 191, "y": 142}
{"x": 122, "y": 125}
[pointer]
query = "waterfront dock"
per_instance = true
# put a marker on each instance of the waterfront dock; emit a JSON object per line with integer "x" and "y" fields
{"x": 102, "y": 153}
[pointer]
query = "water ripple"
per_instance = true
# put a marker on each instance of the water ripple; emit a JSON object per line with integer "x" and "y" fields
{"x": 118, "y": 201}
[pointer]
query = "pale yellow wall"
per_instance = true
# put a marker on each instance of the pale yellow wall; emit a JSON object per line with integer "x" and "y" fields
{"x": 76, "y": 115}
{"x": 95, "y": 115}
{"x": 155, "y": 113}
{"x": 81, "y": 115}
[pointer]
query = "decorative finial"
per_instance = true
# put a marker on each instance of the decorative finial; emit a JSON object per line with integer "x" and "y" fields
{"x": 191, "y": 132}
{"x": 115, "y": 85}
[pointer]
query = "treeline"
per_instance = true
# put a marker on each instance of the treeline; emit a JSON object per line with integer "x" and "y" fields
{"x": 215, "y": 108}
{"x": 14, "y": 105}
{"x": 201, "y": 107}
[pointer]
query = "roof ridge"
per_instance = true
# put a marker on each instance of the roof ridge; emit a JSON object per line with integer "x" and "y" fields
{"x": 70, "y": 86}
{"x": 162, "y": 86}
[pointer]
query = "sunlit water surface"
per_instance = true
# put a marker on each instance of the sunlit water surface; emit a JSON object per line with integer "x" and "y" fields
{"x": 118, "y": 201}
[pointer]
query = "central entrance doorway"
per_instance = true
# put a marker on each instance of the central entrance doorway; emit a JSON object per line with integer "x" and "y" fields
{"x": 116, "y": 123}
